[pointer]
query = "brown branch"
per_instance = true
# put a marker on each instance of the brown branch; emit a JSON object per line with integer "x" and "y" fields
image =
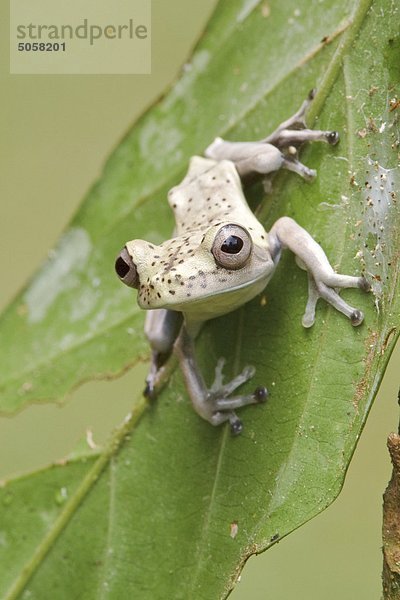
{"x": 391, "y": 525}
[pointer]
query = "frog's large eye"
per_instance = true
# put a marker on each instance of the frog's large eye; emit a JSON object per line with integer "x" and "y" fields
{"x": 232, "y": 246}
{"x": 126, "y": 269}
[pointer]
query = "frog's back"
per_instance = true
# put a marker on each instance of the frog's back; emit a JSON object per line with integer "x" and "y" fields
{"x": 211, "y": 193}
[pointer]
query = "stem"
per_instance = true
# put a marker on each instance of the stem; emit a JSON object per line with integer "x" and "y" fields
{"x": 391, "y": 525}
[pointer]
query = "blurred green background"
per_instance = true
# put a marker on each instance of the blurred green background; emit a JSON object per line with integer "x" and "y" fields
{"x": 56, "y": 134}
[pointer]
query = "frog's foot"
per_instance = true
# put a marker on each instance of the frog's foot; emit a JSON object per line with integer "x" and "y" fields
{"x": 214, "y": 404}
{"x": 277, "y": 151}
{"x": 324, "y": 287}
{"x": 322, "y": 279}
{"x": 293, "y": 132}
{"x": 221, "y": 405}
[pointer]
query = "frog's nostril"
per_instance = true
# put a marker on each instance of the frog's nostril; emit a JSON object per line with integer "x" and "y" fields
{"x": 126, "y": 269}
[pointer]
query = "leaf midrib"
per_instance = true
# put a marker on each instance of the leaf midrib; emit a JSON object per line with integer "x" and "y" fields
{"x": 225, "y": 440}
{"x": 101, "y": 589}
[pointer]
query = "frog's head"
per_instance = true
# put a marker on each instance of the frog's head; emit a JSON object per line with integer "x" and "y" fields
{"x": 203, "y": 273}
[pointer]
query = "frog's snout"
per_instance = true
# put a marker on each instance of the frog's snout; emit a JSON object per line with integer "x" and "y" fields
{"x": 126, "y": 269}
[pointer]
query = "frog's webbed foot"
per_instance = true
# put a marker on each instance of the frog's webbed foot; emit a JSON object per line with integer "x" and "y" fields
{"x": 323, "y": 282}
{"x": 215, "y": 405}
{"x": 276, "y": 151}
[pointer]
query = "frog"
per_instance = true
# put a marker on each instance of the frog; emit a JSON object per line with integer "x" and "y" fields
{"x": 220, "y": 257}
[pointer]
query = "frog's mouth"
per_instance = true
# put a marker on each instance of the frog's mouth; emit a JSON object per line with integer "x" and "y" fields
{"x": 219, "y": 302}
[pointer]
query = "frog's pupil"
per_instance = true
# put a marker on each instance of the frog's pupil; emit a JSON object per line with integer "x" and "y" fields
{"x": 232, "y": 245}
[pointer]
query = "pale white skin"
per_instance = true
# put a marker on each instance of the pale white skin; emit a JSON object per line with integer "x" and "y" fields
{"x": 220, "y": 257}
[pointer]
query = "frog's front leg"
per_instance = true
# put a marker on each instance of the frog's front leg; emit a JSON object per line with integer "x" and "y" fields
{"x": 322, "y": 279}
{"x": 161, "y": 329}
{"x": 214, "y": 404}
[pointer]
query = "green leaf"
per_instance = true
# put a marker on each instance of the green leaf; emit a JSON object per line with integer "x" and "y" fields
{"x": 172, "y": 508}
{"x": 74, "y": 321}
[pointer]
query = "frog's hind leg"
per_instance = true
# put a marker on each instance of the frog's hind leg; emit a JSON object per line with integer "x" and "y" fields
{"x": 215, "y": 404}
{"x": 322, "y": 279}
{"x": 296, "y": 121}
{"x": 294, "y": 131}
{"x": 276, "y": 151}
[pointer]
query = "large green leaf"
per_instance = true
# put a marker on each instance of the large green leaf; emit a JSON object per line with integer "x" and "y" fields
{"x": 172, "y": 507}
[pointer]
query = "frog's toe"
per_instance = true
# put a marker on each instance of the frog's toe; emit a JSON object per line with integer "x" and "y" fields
{"x": 148, "y": 391}
{"x": 332, "y": 137}
{"x": 236, "y": 425}
{"x": 295, "y": 165}
{"x": 363, "y": 284}
{"x": 219, "y": 377}
{"x": 260, "y": 394}
{"x": 222, "y": 403}
{"x": 224, "y": 390}
{"x": 356, "y": 317}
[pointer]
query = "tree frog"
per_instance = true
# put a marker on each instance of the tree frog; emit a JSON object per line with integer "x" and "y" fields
{"x": 220, "y": 257}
